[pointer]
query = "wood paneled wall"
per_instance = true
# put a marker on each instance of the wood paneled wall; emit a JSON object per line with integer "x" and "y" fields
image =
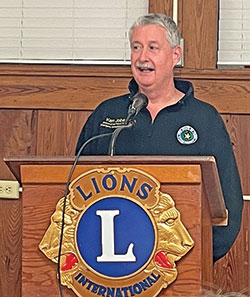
{"x": 43, "y": 115}
{"x": 43, "y": 108}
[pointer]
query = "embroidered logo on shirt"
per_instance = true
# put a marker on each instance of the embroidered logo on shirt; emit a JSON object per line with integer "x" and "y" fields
{"x": 187, "y": 135}
{"x": 113, "y": 123}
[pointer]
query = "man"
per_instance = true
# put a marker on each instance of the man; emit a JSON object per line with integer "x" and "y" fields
{"x": 173, "y": 123}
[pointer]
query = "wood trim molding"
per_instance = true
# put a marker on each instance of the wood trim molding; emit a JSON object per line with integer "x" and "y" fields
{"x": 161, "y": 6}
{"x": 65, "y": 70}
{"x": 84, "y": 87}
{"x": 216, "y": 74}
{"x": 115, "y": 71}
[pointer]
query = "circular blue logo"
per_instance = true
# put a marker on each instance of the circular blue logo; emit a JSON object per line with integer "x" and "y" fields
{"x": 115, "y": 237}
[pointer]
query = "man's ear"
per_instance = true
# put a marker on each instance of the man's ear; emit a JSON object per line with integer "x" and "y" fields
{"x": 176, "y": 54}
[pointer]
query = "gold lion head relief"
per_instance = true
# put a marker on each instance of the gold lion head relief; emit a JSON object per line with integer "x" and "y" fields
{"x": 51, "y": 239}
{"x": 174, "y": 240}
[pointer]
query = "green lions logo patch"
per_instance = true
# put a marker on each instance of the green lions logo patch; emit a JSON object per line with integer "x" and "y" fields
{"x": 187, "y": 135}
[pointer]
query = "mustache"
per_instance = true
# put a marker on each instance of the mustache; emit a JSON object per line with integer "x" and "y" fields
{"x": 144, "y": 65}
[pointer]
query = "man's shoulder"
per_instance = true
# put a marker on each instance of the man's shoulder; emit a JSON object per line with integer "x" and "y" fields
{"x": 204, "y": 106}
{"x": 191, "y": 101}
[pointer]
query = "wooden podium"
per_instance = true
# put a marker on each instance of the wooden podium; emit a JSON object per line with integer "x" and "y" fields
{"x": 192, "y": 182}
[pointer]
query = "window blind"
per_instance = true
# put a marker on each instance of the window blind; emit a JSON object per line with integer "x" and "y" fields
{"x": 234, "y": 32}
{"x": 67, "y": 31}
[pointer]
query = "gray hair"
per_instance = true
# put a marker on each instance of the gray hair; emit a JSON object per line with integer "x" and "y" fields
{"x": 173, "y": 35}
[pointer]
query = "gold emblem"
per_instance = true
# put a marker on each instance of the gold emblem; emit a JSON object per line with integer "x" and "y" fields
{"x": 122, "y": 236}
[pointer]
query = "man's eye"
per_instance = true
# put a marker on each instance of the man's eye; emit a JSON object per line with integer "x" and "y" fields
{"x": 153, "y": 48}
{"x": 136, "y": 47}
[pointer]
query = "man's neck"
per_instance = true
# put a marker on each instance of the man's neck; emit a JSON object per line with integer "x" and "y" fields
{"x": 161, "y": 98}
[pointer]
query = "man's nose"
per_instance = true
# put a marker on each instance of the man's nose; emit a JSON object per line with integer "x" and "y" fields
{"x": 144, "y": 55}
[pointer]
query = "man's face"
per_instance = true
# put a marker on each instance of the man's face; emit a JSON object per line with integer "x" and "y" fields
{"x": 152, "y": 58}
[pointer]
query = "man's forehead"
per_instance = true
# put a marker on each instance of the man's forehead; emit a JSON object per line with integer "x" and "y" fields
{"x": 151, "y": 33}
{"x": 148, "y": 28}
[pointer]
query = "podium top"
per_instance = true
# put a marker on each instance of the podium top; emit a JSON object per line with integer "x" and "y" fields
{"x": 14, "y": 162}
{"x": 209, "y": 172}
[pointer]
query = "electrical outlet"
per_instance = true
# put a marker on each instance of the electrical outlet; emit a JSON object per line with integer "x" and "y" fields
{"x": 9, "y": 189}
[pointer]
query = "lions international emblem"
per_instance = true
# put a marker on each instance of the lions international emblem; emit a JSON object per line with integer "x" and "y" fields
{"x": 122, "y": 236}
